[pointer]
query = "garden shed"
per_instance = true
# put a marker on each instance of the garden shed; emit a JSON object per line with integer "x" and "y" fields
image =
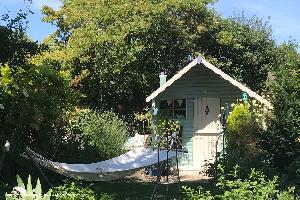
{"x": 194, "y": 96}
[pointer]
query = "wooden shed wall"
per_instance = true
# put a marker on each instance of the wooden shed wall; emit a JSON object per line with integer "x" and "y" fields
{"x": 198, "y": 82}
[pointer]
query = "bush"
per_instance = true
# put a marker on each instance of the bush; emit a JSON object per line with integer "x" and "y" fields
{"x": 104, "y": 196}
{"x": 163, "y": 126}
{"x": 33, "y": 100}
{"x": 241, "y": 138}
{"x": 282, "y": 139}
{"x": 75, "y": 191}
{"x": 256, "y": 186}
{"x": 105, "y": 131}
{"x": 72, "y": 190}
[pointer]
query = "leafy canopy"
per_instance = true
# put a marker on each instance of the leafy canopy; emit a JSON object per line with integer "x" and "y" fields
{"x": 115, "y": 49}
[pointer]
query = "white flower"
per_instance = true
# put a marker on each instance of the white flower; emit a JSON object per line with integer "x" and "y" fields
{"x": 230, "y": 113}
{"x": 222, "y": 108}
{"x": 233, "y": 104}
{"x": 1, "y": 106}
{"x": 219, "y": 115}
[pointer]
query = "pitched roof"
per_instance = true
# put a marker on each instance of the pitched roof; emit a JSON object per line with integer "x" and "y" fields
{"x": 210, "y": 66}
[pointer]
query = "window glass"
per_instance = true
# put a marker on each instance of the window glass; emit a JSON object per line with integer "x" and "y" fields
{"x": 173, "y": 108}
{"x": 179, "y": 104}
{"x": 179, "y": 114}
{"x": 166, "y": 104}
{"x": 167, "y": 113}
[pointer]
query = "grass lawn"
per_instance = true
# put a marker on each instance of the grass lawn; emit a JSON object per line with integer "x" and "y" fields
{"x": 129, "y": 190}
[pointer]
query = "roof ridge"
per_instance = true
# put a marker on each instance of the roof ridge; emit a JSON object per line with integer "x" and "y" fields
{"x": 216, "y": 70}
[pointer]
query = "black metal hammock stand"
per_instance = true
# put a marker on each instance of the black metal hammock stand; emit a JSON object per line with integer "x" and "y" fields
{"x": 172, "y": 144}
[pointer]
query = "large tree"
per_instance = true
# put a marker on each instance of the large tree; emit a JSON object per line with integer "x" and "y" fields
{"x": 282, "y": 139}
{"x": 243, "y": 48}
{"x": 33, "y": 98}
{"x": 116, "y": 49}
{"x": 15, "y": 46}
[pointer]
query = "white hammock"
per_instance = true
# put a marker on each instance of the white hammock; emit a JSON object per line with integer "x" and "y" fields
{"x": 112, "y": 169}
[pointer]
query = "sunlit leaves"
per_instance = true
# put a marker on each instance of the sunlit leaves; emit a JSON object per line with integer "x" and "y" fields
{"x": 123, "y": 45}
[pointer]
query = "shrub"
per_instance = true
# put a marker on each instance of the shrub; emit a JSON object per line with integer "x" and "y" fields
{"x": 106, "y": 131}
{"x": 241, "y": 144}
{"x": 282, "y": 139}
{"x": 104, "y": 196}
{"x": 72, "y": 190}
{"x": 28, "y": 193}
{"x": 75, "y": 191}
{"x": 163, "y": 126}
{"x": 256, "y": 186}
{"x": 32, "y": 102}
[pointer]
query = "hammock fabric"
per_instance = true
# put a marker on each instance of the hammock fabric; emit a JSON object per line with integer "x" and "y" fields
{"x": 112, "y": 169}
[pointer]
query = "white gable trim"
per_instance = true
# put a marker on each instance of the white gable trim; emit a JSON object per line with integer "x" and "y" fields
{"x": 172, "y": 80}
{"x": 215, "y": 70}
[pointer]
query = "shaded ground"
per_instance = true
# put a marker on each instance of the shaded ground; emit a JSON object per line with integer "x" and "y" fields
{"x": 185, "y": 176}
{"x": 141, "y": 186}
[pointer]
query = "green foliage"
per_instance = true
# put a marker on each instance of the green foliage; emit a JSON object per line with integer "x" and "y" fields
{"x": 122, "y": 45}
{"x": 192, "y": 194}
{"x": 111, "y": 52}
{"x": 15, "y": 46}
{"x": 256, "y": 186}
{"x": 26, "y": 97}
{"x": 33, "y": 100}
{"x": 143, "y": 121}
{"x": 115, "y": 51}
{"x": 239, "y": 119}
{"x": 243, "y": 126}
{"x": 6, "y": 75}
{"x": 28, "y": 193}
{"x": 241, "y": 47}
{"x": 76, "y": 191}
{"x": 162, "y": 124}
{"x": 72, "y": 191}
{"x": 104, "y": 196}
{"x": 281, "y": 140}
{"x": 159, "y": 125}
{"x": 105, "y": 131}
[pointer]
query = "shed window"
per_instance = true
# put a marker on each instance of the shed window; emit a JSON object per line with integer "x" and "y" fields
{"x": 173, "y": 108}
